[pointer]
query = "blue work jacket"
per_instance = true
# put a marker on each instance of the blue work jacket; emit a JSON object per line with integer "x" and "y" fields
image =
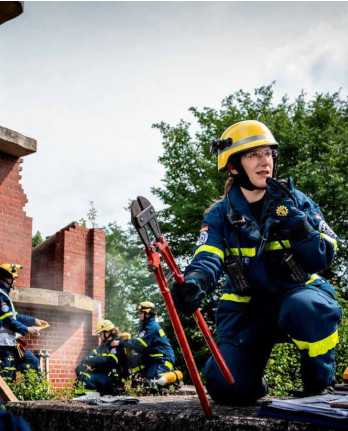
{"x": 258, "y": 244}
{"x": 10, "y": 321}
{"x": 152, "y": 341}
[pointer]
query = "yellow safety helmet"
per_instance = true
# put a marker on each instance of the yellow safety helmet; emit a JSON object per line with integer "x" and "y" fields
{"x": 147, "y": 307}
{"x": 241, "y": 137}
{"x": 10, "y": 270}
{"x": 104, "y": 325}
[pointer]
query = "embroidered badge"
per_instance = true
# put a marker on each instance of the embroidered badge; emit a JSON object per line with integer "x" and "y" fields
{"x": 5, "y": 308}
{"x": 203, "y": 238}
{"x": 282, "y": 211}
{"x": 325, "y": 228}
{"x": 317, "y": 215}
{"x": 205, "y": 227}
{"x": 142, "y": 334}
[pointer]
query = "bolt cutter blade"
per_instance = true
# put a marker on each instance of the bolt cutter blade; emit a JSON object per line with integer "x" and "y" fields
{"x": 148, "y": 216}
{"x": 135, "y": 211}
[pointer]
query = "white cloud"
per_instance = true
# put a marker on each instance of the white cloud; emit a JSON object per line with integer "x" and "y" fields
{"x": 88, "y": 79}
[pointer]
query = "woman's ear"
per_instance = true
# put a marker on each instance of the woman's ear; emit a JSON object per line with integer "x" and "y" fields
{"x": 231, "y": 169}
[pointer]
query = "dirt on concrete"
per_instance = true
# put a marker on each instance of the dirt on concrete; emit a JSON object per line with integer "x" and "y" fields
{"x": 155, "y": 413}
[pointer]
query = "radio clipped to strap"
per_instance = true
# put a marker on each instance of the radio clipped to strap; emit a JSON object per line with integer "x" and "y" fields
{"x": 234, "y": 269}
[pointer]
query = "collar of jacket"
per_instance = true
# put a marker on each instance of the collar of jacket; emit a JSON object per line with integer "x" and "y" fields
{"x": 239, "y": 203}
{"x": 147, "y": 322}
{"x": 5, "y": 288}
{"x": 253, "y": 229}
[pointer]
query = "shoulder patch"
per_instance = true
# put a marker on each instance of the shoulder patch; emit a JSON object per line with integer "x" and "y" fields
{"x": 5, "y": 308}
{"x": 203, "y": 238}
{"x": 325, "y": 228}
{"x": 142, "y": 334}
{"x": 161, "y": 332}
{"x": 205, "y": 227}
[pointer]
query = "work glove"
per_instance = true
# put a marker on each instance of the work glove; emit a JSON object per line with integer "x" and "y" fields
{"x": 187, "y": 297}
{"x": 281, "y": 205}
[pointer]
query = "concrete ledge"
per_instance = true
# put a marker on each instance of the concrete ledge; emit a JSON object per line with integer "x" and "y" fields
{"x": 45, "y": 298}
{"x": 14, "y": 143}
{"x": 157, "y": 413}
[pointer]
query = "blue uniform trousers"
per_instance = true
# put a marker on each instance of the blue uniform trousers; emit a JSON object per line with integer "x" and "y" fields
{"x": 150, "y": 368}
{"x": 99, "y": 382}
{"x": 309, "y": 317}
{"x": 11, "y": 362}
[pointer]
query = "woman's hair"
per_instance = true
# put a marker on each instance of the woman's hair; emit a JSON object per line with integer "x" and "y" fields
{"x": 227, "y": 188}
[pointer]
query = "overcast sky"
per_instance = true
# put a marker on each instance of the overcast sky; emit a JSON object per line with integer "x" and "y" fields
{"x": 88, "y": 79}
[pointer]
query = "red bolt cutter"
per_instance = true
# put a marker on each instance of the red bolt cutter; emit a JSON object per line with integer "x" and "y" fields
{"x": 143, "y": 215}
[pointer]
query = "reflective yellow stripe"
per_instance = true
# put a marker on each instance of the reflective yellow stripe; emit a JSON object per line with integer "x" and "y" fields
{"x": 318, "y": 347}
{"x": 313, "y": 278}
{"x": 250, "y": 252}
{"x": 161, "y": 332}
{"x": 330, "y": 239}
{"x": 235, "y": 298}
{"x": 210, "y": 249}
{"x": 275, "y": 245}
{"x": 155, "y": 355}
{"x": 142, "y": 342}
{"x": 94, "y": 351}
{"x": 136, "y": 369}
{"x": 6, "y": 315}
{"x": 112, "y": 355}
{"x": 169, "y": 365}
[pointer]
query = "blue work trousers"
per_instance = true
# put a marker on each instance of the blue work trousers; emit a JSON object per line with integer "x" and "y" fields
{"x": 12, "y": 362}
{"x": 308, "y": 317}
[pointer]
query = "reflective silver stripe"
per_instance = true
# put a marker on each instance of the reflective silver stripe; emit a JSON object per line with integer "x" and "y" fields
{"x": 7, "y": 337}
{"x": 11, "y": 303}
{"x": 237, "y": 144}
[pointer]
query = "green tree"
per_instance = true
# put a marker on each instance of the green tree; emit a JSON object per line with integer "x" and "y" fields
{"x": 36, "y": 239}
{"x": 127, "y": 281}
{"x": 313, "y": 138}
{"x": 92, "y": 214}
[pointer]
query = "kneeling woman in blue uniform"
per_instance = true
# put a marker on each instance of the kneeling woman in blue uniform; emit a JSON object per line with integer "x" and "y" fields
{"x": 104, "y": 369}
{"x": 270, "y": 240}
{"x": 154, "y": 355}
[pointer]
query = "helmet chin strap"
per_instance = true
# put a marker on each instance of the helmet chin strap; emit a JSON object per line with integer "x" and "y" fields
{"x": 242, "y": 178}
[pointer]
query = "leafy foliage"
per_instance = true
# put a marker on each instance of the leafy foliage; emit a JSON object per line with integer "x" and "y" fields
{"x": 36, "y": 239}
{"x": 127, "y": 280}
{"x": 29, "y": 387}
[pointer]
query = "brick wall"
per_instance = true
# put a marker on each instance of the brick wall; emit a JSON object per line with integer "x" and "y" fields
{"x": 72, "y": 260}
{"x": 15, "y": 226}
{"x": 68, "y": 338}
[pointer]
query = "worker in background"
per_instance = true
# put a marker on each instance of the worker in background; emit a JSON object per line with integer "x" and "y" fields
{"x": 154, "y": 355}
{"x": 14, "y": 355}
{"x": 270, "y": 240}
{"x": 105, "y": 368}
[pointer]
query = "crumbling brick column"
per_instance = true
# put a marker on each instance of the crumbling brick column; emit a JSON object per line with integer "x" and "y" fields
{"x": 15, "y": 226}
